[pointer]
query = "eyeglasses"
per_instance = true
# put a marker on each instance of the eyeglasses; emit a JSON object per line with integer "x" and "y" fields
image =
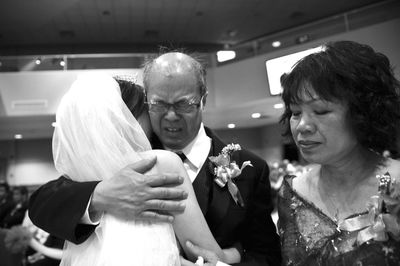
{"x": 181, "y": 107}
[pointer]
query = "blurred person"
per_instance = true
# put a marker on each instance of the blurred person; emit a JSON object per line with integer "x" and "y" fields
{"x": 6, "y": 201}
{"x": 31, "y": 245}
{"x": 16, "y": 215}
{"x": 342, "y": 110}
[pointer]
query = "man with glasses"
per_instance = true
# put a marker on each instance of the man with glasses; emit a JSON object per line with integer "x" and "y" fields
{"x": 176, "y": 95}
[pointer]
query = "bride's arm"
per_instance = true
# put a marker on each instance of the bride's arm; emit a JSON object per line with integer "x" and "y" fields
{"x": 191, "y": 224}
{"x": 53, "y": 253}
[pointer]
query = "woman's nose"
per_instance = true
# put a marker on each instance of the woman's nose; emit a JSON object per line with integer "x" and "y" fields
{"x": 306, "y": 124}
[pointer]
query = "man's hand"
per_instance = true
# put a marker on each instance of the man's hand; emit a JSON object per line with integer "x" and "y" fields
{"x": 130, "y": 194}
{"x": 210, "y": 257}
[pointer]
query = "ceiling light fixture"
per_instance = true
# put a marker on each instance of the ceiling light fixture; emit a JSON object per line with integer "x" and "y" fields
{"x": 62, "y": 62}
{"x": 278, "y": 105}
{"x": 276, "y": 44}
{"x": 54, "y": 124}
{"x": 255, "y": 115}
{"x": 38, "y": 61}
{"x": 17, "y": 136}
{"x": 225, "y": 55}
{"x": 231, "y": 125}
{"x": 302, "y": 39}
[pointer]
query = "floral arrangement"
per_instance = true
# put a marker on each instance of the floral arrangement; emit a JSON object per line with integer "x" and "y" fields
{"x": 17, "y": 239}
{"x": 226, "y": 170}
{"x": 383, "y": 217}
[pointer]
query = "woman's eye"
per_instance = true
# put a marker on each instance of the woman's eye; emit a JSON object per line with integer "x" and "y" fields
{"x": 322, "y": 112}
{"x": 295, "y": 113}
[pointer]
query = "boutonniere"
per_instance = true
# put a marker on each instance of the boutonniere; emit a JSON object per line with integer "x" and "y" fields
{"x": 226, "y": 170}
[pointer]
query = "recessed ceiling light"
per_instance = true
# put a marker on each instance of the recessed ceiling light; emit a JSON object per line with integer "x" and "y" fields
{"x": 255, "y": 115}
{"x": 225, "y": 55}
{"x": 276, "y": 44}
{"x": 62, "y": 63}
{"x": 303, "y": 38}
{"x": 38, "y": 61}
{"x": 54, "y": 124}
{"x": 17, "y": 136}
{"x": 231, "y": 125}
{"x": 278, "y": 105}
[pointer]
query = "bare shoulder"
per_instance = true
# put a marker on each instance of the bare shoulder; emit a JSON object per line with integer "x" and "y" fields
{"x": 307, "y": 179}
{"x": 393, "y": 167}
{"x": 166, "y": 161}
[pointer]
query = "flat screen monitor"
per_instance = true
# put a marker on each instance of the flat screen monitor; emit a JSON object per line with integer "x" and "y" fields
{"x": 277, "y": 66}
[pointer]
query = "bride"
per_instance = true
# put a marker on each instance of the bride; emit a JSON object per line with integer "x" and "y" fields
{"x": 96, "y": 135}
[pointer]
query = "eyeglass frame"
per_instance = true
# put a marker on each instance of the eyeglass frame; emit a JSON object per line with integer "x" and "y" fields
{"x": 167, "y": 106}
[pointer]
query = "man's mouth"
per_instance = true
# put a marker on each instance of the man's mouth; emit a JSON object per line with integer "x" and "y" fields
{"x": 172, "y": 129}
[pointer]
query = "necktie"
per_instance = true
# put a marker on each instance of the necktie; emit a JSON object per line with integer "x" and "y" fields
{"x": 181, "y": 155}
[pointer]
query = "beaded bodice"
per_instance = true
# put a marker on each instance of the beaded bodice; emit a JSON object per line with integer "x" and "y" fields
{"x": 310, "y": 237}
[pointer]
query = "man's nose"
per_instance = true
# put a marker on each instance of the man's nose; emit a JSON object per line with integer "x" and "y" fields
{"x": 171, "y": 114}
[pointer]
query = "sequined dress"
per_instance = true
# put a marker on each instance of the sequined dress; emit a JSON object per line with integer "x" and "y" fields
{"x": 310, "y": 237}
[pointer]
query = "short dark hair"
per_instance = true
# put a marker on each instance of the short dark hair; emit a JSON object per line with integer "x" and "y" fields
{"x": 133, "y": 95}
{"x": 22, "y": 189}
{"x": 198, "y": 69}
{"x": 354, "y": 74}
{"x": 5, "y": 186}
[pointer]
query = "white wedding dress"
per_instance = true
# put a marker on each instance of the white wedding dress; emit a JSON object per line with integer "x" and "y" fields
{"x": 96, "y": 136}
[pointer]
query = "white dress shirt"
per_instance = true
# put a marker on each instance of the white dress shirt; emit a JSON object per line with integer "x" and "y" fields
{"x": 196, "y": 153}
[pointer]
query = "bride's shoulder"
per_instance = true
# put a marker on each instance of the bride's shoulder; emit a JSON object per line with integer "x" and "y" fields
{"x": 165, "y": 159}
{"x": 161, "y": 155}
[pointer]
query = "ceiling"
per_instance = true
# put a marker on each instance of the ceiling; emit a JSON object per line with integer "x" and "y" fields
{"x": 93, "y": 26}
{"x": 91, "y": 32}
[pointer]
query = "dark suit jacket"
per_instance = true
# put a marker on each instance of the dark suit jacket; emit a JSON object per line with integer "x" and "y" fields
{"x": 6, "y": 205}
{"x": 58, "y": 206}
{"x": 15, "y": 216}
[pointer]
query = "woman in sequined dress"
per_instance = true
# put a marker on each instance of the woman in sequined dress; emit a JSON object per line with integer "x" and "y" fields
{"x": 342, "y": 111}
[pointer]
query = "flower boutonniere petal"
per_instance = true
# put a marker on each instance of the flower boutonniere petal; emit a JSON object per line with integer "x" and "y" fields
{"x": 226, "y": 170}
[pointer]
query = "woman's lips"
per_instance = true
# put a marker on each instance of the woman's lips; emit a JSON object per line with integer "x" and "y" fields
{"x": 308, "y": 144}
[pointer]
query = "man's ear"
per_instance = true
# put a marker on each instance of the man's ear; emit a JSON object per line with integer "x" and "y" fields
{"x": 204, "y": 100}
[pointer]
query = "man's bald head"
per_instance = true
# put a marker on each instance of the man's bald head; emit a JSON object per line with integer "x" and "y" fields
{"x": 175, "y": 63}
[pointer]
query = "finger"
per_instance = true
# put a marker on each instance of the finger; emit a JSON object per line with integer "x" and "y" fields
{"x": 144, "y": 165}
{"x": 185, "y": 262}
{"x": 164, "y": 180}
{"x": 198, "y": 251}
{"x": 156, "y": 217}
{"x": 168, "y": 193}
{"x": 165, "y": 206}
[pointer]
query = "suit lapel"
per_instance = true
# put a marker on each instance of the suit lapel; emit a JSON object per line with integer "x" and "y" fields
{"x": 219, "y": 197}
{"x": 201, "y": 186}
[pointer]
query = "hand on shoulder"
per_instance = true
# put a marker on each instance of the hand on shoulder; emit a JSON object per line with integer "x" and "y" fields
{"x": 133, "y": 194}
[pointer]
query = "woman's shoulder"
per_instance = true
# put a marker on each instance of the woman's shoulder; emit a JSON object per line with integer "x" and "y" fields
{"x": 306, "y": 178}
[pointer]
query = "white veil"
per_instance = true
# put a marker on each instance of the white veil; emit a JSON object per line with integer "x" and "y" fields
{"x": 95, "y": 132}
{"x": 95, "y": 136}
